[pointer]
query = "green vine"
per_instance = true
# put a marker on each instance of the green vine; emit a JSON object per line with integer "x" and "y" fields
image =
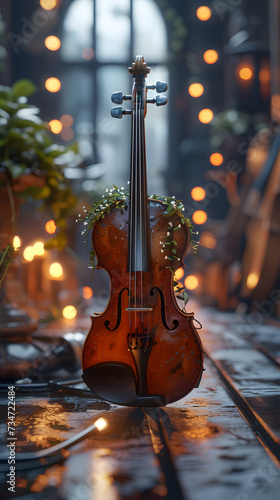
{"x": 117, "y": 198}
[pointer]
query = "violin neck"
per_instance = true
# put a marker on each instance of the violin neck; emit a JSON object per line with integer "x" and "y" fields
{"x": 138, "y": 235}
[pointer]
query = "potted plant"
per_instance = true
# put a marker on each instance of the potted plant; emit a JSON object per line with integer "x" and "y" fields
{"x": 31, "y": 165}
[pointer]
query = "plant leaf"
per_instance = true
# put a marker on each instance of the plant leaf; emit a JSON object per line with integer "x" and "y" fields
{"x": 23, "y": 88}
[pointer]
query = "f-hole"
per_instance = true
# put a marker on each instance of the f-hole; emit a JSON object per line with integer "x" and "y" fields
{"x": 162, "y": 310}
{"x": 119, "y": 316}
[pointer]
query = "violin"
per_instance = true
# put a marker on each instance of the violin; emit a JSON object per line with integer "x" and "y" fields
{"x": 143, "y": 350}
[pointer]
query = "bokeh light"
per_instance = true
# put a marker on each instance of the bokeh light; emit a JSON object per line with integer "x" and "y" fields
{"x": 53, "y": 84}
{"x": 245, "y": 73}
{"x": 210, "y": 56}
{"x": 38, "y": 248}
{"x": 198, "y": 193}
{"x": 69, "y": 312}
{"x": 179, "y": 273}
{"x": 207, "y": 240}
{"x": 203, "y": 13}
{"x": 87, "y": 292}
{"x": 216, "y": 159}
{"x": 50, "y": 227}
{"x": 205, "y": 115}
{"x": 56, "y": 126}
{"x": 88, "y": 53}
{"x": 252, "y": 280}
{"x": 28, "y": 253}
{"x": 52, "y": 42}
{"x": 101, "y": 424}
{"x": 56, "y": 270}
{"x": 67, "y": 120}
{"x": 67, "y": 134}
{"x": 196, "y": 89}
{"x": 16, "y": 242}
{"x": 48, "y": 4}
{"x": 191, "y": 282}
{"x": 199, "y": 217}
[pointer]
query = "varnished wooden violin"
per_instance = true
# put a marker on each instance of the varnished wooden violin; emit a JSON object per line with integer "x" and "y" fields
{"x": 143, "y": 350}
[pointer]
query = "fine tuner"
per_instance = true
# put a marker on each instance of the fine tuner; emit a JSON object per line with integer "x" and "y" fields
{"x": 119, "y": 97}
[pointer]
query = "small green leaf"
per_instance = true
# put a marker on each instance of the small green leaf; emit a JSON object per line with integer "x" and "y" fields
{"x": 186, "y": 298}
{"x": 23, "y": 88}
{"x": 44, "y": 192}
{"x": 16, "y": 170}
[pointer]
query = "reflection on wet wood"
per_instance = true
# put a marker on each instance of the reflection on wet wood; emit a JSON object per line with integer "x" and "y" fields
{"x": 200, "y": 447}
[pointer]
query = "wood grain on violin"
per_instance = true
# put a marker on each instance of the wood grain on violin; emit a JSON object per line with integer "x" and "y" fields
{"x": 143, "y": 350}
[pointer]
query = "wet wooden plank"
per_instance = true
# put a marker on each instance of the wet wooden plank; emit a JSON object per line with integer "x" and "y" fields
{"x": 232, "y": 344}
{"x": 204, "y": 442}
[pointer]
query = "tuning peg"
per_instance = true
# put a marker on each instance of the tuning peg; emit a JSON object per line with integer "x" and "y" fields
{"x": 159, "y": 86}
{"x": 119, "y": 97}
{"x": 160, "y": 100}
{"x": 118, "y": 111}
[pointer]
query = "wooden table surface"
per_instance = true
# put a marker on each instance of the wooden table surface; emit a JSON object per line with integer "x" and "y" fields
{"x": 221, "y": 442}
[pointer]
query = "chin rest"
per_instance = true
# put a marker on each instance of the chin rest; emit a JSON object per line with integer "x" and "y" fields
{"x": 116, "y": 383}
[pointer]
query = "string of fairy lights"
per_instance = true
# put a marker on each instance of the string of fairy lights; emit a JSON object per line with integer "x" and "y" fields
{"x": 244, "y": 73}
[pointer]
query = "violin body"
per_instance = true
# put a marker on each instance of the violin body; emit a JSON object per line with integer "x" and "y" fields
{"x": 175, "y": 361}
{"x": 143, "y": 350}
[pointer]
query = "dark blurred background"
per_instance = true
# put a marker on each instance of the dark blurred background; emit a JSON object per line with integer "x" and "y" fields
{"x": 215, "y": 56}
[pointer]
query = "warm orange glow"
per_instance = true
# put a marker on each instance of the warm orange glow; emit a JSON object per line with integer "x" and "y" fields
{"x": 252, "y": 280}
{"x": 179, "y": 273}
{"x": 275, "y": 107}
{"x": 53, "y": 84}
{"x": 210, "y": 56}
{"x": 203, "y": 13}
{"x": 38, "y": 248}
{"x": 198, "y": 193}
{"x": 48, "y": 4}
{"x": 191, "y": 282}
{"x": 56, "y": 270}
{"x": 52, "y": 42}
{"x": 56, "y": 126}
{"x": 236, "y": 278}
{"x": 88, "y": 53}
{"x": 199, "y": 217}
{"x": 67, "y": 134}
{"x": 216, "y": 159}
{"x": 101, "y": 424}
{"x": 264, "y": 75}
{"x": 50, "y": 226}
{"x": 245, "y": 73}
{"x": 87, "y": 292}
{"x": 207, "y": 240}
{"x": 205, "y": 115}
{"x": 69, "y": 312}
{"x": 67, "y": 120}
{"x": 275, "y": 100}
{"x": 16, "y": 242}
{"x": 28, "y": 253}
{"x": 196, "y": 89}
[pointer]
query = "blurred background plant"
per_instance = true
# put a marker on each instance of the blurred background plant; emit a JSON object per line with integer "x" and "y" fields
{"x": 31, "y": 164}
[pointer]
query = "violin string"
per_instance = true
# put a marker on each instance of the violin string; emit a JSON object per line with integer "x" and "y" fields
{"x": 141, "y": 229}
{"x": 130, "y": 219}
{"x": 135, "y": 217}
